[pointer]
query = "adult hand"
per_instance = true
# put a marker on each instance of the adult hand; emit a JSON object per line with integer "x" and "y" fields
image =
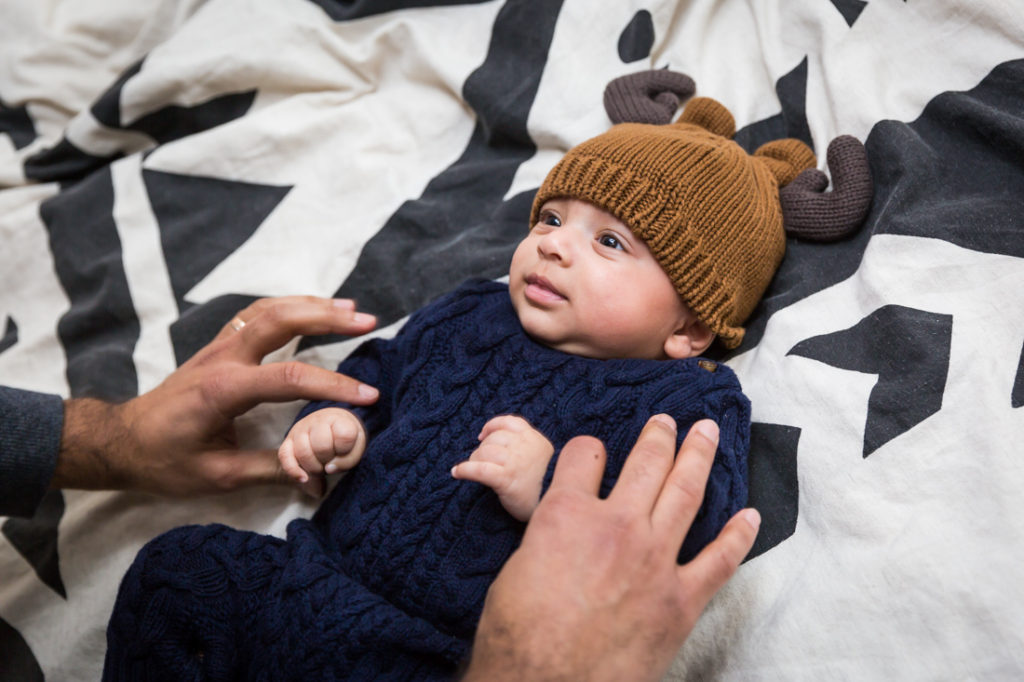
{"x": 594, "y": 591}
{"x": 179, "y": 438}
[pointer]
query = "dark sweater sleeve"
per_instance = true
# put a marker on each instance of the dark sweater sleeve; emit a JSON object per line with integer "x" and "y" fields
{"x": 30, "y": 428}
{"x": 370, "y": 363}
{"x": 382, "y": 362}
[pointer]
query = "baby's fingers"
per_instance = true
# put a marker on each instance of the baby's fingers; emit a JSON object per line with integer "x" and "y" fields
{"x": 344, "y": 435}
{"x": 491, "y": 450}
{"x": 506, "y": 422}
{"x": 312, "y": 445}
{"x": 314, "y": 487}
{"x": 490, "y": 474}
{"x": 290, "y": 466}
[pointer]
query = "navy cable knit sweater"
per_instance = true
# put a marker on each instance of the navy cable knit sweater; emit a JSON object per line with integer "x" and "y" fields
{"x": 387, "y": 580}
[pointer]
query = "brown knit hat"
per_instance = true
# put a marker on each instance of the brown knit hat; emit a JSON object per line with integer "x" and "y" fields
{"x": 707, "y": 210}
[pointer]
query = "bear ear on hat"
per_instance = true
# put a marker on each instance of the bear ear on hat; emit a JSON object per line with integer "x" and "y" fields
{"x": 709, "y": 114}
{"x": 786, "y": 159}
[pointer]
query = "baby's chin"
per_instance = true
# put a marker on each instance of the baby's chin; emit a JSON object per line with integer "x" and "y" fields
{"x": 597, "y": 349}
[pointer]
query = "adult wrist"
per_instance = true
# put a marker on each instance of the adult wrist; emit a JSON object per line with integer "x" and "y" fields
{"x": 94, "y": 440}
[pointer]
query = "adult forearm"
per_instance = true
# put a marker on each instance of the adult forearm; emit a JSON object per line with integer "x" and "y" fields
{"x": 95, "y": 440}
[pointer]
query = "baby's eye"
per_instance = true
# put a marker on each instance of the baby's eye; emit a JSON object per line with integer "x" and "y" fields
{"x": 611, "y": 241}
{"x": 549, "y": 218}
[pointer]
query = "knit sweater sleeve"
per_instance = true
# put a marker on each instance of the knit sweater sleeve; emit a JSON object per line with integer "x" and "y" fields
{"x": 372, "y": 363}
{"x": 381, "y": 362}
{"x": 30, "y": 428}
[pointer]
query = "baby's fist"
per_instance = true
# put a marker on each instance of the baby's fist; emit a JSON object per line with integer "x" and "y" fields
{"x": 325, "y": 441}
{"x": 511, "y": 459}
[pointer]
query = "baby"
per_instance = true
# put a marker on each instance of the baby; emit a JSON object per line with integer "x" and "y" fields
{"x": 647, "y": 243}
{"x": 581, "y": 282}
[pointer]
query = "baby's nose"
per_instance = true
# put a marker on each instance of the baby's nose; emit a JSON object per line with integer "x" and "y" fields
{"x": 559, "y": 244}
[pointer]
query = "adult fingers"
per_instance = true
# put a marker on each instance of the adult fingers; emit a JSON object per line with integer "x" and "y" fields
{"x": 683, "y": 489}
{"x": 647, "y": 465}
{"x": 314, "y": 487}
{"x": 580, "y": 466}
{"x": 254, "y": 309}
{"x": 274, "y": 322}
{"x": 224, "y": 470}
{"x": 242, "y": 388}
{"x": 712, "y": 568}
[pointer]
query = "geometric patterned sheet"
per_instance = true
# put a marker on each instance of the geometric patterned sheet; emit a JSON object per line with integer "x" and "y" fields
{"x": 164, "y": 162}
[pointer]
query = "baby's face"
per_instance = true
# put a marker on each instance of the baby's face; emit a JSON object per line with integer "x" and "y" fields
{"x": 581, "y": 282}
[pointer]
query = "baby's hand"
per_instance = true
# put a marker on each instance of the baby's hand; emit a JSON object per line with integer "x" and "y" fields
{"x": 328, "y": 440}
{"x": 511, "y": 459}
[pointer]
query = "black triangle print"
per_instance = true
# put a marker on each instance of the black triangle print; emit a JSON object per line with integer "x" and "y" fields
{"x": 637, "y": 38}
{"x": 17, "y": 124}
{"x": 1017, "y": 395}
{"x": 10, "y": 336}
{"x": 909, "y": 351}
{"x": 790, "y": 122}
{"x": 427, "y": 235}
{"x": 774, "y": 489}
{"x": 101, "y": 328}
{"x": 850, "y": 9}
{"x": 173, "y": 121}
{"x": 63, "y": 162}
{"x": 956, "y": 173}
{"x": 19, "y": 663}
{"x": 203, "y": 220}
{"x": 36, "y": 539}
{"x": 107, "y": 109}
{"x": 346, "y": 10}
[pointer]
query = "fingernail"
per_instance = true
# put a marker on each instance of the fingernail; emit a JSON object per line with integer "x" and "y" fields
{"x": 707, "y": 428}
{"x": 666, "y": 420}
{"x": 344, "y": 303}
{"x": 453, "y": 471}
{"x": 303, "y": 478}
{"x": 368, "y": 391}
{"x": 363, "y": 318}
{"x": 331, "y": 468}
{"x": 752, "y": 516}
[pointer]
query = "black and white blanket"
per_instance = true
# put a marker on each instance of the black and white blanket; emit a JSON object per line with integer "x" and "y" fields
{"x": 164, "y": 162}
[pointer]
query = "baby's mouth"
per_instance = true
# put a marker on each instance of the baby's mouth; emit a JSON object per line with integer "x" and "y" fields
{"x": 540, "y": 290}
